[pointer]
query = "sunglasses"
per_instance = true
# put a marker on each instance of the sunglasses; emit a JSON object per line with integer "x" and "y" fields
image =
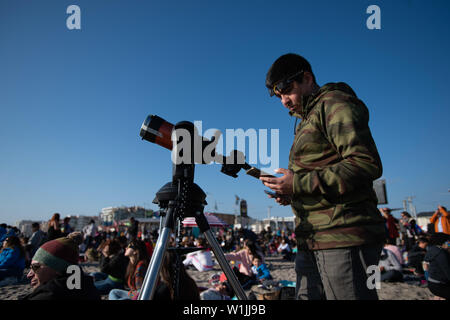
{"x": 132, "y": 247}
{"x": 35, "y": 267}
{"x": 283, "y": 86}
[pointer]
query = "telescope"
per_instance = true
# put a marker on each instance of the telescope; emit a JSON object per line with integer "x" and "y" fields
{"x": 163, "y": 133}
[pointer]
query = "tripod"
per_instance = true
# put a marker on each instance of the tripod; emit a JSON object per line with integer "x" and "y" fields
{"x": 179, "y": 199}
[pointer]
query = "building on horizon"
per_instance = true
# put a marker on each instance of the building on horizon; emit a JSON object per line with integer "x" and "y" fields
{"x": 111, "y": 215}
{"x": 24, "y": 226}
{"x": 423, "y": 219}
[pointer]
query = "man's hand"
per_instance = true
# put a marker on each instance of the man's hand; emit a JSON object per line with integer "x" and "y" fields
{"x": 281, "y": 185}
{"x": 283, "y": 200}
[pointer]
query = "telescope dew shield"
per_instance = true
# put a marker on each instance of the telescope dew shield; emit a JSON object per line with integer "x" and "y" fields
{"x": 157, "y": 130}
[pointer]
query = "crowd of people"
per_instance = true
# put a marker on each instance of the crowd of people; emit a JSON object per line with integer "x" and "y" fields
{"x": 123, "y": 258}
{"x": 413, "y": 254}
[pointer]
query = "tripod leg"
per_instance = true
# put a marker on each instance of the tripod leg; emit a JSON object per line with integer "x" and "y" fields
{"x": 149, "y": 285}
{"x": 225, "y": 265}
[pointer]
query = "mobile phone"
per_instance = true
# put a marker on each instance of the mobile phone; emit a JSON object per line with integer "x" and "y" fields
{"x": 255, "y": 172}
{"x": 273, "y": 194}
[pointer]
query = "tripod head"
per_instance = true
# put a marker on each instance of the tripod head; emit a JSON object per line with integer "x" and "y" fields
{"x": 169, "y": 192}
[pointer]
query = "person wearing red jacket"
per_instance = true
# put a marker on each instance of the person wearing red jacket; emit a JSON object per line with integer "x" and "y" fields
{"x": 391, "y": 225}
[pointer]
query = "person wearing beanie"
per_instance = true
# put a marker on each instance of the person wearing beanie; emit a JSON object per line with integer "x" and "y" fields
{"x": 49, "y": 272}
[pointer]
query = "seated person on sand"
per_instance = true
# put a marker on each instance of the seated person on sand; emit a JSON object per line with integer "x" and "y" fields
{"x": 416, "y": 255}
{"x": 49, "y": 276}
{"x": 245, "y": 257}
{"x": 164, "y": 290}
{"x": 437, "y": 261}
{"x": 12, "y": 259}
{"x": 260, "y": 270}
{"x": 390, "y": 267}
{"x": 113, "y": 266}
{"x": 220, "y": 291}
{"x": 285, "y": 250}
{"x": 201, "y": 259}
{"x": 136, "y": 270}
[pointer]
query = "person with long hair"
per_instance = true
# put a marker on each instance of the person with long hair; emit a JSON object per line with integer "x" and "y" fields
{"x": 113, "y": 265}
{"x": 245, "y": 257}
{"x": 137, "y": 254}
{"x": 188, "y": 289}
{"x": 12, "y": 258}
{"x": 54, "y": 228}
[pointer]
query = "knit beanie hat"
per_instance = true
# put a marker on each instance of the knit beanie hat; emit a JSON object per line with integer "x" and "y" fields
{"x": 60, "y": 253}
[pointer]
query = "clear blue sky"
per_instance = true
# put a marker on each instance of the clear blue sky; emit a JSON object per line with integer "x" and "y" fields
{"x": 72, "y": 101}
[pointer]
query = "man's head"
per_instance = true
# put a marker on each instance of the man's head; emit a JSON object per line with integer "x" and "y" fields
{"x": 422, "y": 242}
{"x": 53, "y": 258}
{"x": 35, "y": 226}
{"x": 291, "y": 79}
{"x": 40, "y": 274}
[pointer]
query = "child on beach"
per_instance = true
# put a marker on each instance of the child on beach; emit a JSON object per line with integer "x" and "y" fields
{"x": 260, "y": 270}
{"x": 219, "y": 291}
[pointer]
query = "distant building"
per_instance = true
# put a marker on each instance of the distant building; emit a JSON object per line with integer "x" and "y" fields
{"x": 238, "y": 221}
{"x": 247, "y": 223}
{"x": 280, "y": 223}
{"x": 79, "y": 222}
{"x": 110, "y": 215}
{"x": 25, "y": 226}
{"x": 423, "y": 219}
{"x": 226, "y": 217}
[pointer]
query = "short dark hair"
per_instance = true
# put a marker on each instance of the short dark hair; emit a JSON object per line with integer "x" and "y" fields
{"x": 285, "y": 66}
{"x": 438, "y": 239}
{"x": 406, "y": 214}
{"x": 35, "y": 225}
{"x": 423, "y": 239}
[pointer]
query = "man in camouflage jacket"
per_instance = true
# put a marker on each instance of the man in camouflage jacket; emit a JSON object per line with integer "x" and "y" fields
{"x": 329, "y": 182}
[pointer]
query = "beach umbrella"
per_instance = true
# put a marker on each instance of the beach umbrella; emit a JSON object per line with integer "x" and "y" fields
{"x": 213, "y": 221}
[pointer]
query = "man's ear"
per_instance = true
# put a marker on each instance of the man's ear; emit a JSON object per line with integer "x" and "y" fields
{"x": 308, "y": 78}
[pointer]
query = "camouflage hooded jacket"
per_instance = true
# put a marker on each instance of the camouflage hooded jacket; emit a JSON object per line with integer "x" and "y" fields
{"x": 335, "y": 160}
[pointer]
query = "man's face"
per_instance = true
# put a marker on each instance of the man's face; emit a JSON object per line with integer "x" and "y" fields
{"x": 423, "y": 245}
{"x": 40, "y": 274}
{"x": 292, "y": 99}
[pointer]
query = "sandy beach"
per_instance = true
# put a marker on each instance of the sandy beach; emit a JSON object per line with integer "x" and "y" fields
{"x": 280, "y": 270}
